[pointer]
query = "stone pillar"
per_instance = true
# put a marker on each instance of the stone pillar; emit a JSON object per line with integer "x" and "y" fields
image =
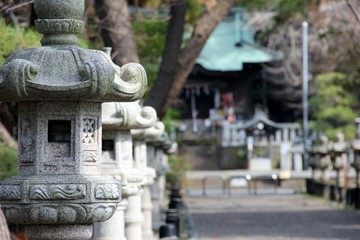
{"x": 278, "y": 136}
{"x": 158, "y": 149}
{"x": 155, "y": 188}
{"x": 114, "y": 227}
{"x": 285, "y": 132}
{"x": 140, "y": 137}
{"x": 149, "y": 175}
{"x": 134, "y": 218}
{"x": 285, "y": 156}
{"x": 226, "y": 134}
{"x": 59, "y": 192}
{"x": 117, "y": 160}
{"x": 297, "y": 152}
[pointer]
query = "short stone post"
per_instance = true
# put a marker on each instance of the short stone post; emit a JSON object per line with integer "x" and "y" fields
{"x": 117, "y": 160}
{"x": 140, "y": 155}
{"x": 59, "y": 192}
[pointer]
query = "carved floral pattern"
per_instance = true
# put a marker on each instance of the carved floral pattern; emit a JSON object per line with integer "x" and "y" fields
{"x": 59, "y": 25}
{"x": 10, "y": 192}
{"x": 64, "y": 191}
{"x": 59, "y": 214}
{"x": 107, "y": 191}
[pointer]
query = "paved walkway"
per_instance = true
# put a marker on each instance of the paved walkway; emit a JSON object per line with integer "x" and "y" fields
{"x": 295, "y": 216}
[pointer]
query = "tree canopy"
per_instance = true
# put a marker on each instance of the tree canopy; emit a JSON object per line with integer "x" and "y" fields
{"x": 277, "y": 25}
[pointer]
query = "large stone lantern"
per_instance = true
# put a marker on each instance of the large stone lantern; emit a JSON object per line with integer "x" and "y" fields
{"x": 59, "y": 86}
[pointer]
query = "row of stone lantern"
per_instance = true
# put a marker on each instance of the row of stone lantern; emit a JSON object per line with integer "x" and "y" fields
{"x": 80, "y": 162}
{"x": 326, "y": 156}
{"x": 126, "y": 129}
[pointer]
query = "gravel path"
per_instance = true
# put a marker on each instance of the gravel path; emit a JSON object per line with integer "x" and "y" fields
{"x": 263, "y": 217}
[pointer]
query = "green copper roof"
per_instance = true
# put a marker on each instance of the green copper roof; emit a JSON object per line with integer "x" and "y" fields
{"x": 231, "y": 45}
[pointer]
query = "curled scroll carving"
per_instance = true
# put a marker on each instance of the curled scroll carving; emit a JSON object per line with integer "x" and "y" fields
{"x": 127, "y": 115}
{"x": 107, "y": 191}
{"x": 15, "y": 73}
{"x": 148, "y": 133}
{"x": 65, "y": 191}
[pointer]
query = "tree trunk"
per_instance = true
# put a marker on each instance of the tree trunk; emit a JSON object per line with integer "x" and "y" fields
{"x": 169, "y": 83}
{"x": 170, "y": 56}
{"x": 116, "y": 30}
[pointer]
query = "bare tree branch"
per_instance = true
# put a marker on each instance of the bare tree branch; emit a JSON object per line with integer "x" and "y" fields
{"x": 353, "y": 10}
{"x": 10, "y": 7}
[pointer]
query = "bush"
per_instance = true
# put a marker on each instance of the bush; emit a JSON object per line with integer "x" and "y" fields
{"x": 8, "y": 161}
{"x": 333, "y": 105}
{"x": 13, "y": 38}
{"x": 178, "y": 167}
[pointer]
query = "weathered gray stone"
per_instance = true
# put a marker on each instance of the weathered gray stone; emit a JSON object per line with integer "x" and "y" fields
{"x": 112, "y": 228}
{"x": 339, "y": 155}
{"x": 117, "y": 160}
{"x": 157, "y": 151}
{"x": 320, "y": 159}
{"x": 59, "y": 192}
{"x": 140, "y": 137}
{"x": 59, "y": 232}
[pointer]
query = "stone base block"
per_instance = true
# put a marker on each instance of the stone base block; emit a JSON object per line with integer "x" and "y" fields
{"x": 59, "y": 232}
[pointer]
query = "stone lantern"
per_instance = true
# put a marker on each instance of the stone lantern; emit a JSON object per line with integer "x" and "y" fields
{"x": 140, "y": 136}
{"x": 356, "y": 148}
{"x": 118, "y": 119}
{"x": 338, "y": 153}
{"x": 158, "y": 150}
{"x": 323, "y": 150}
{"x": 59, "y": 192}
{"x": 313, "y": 161}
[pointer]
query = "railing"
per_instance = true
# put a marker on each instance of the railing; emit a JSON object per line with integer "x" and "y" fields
{"x": 247, "y": 178}
{"x": 204, "y": 128}
{"x": 251, "y": 182}
{"x": 205, "y": 179}
{"x": 235, "y": 134}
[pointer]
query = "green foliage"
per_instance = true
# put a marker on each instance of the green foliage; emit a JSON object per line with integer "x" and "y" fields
{"x": 284, "y": 8}
{"x": 150, "y": 37}
{"x": 170, "y": 119}
{"x": 193, "y": 11}
{"x": 178, "y": 167}
{"x": 8, "y": 161}
{"x": 333, "y": 105}
{"x": 291, "y": 8}
{"x": 15, "y": 38}
{"x": 253, "y": 5}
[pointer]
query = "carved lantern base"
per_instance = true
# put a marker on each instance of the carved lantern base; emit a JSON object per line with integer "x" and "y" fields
{"x": 65, "y": 206}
